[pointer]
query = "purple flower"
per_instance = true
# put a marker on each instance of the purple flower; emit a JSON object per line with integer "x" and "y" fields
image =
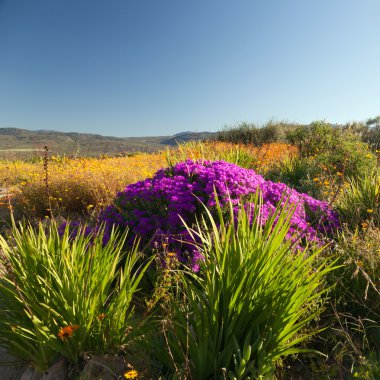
{"x": 156, "y": 205}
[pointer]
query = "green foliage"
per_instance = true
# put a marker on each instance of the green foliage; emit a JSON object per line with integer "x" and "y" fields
{"x": 352, "y": 340}
{"x": 251, "y": 303}
{"x": 359, "y": 202}
{"x": 52, "y": 285}
{"x": 311, "y": 138}
{"x": 248, "y": 133}
{"x": 372, "y": 137}
{"x": 333, "y": 147}
{"x": 298, "y": 173}
{"x": 368, "y": 367}
{"x": 371, "y": 134}
{"x": 358, "y": 287}
{"x": 196, "y": 150}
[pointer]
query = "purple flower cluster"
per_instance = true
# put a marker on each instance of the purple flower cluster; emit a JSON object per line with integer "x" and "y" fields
{"x": 153, "y": 208}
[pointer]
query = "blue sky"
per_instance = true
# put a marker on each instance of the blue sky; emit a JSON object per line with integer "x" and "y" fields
{"x": 156, "y": 67}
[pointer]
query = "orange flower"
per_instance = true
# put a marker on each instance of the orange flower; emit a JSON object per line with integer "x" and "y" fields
{"x": 67, "y": 332}
{"x": 102, "y": 316}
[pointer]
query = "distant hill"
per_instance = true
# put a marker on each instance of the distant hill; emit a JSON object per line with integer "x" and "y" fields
{"x": 15, "y": 142}
{"x": 187, "y": 136}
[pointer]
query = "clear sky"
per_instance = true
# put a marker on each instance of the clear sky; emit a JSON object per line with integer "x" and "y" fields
{"x": 159, "y": 67}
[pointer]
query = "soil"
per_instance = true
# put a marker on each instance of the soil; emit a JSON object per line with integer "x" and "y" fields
{"x": 10, "y": 369}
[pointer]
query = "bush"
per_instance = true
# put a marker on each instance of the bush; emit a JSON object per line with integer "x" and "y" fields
{"x": 153, "y": 208}
{"x": 333, "y": 149}
{"x": 372, "y": 137}
{"x": 247, "y": 133}
{"x": 359, "y": 201}
{"x": 298, "y": 173}
{"x": 357, "y": 294}
{"x": 371, "y": 134}
{"x": 353, "y": 313}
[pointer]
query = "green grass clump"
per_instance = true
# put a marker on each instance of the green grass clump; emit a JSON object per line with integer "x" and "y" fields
{"x": 65, "y": 295}
{"x": 359, "y": 202}
{"x": 298, "y": 173}
{"x": 251, "y": 303}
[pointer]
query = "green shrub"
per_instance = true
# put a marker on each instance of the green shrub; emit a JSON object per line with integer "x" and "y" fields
{"x": 359, "y": 201}
{"x": 248, "y": 133}
{"x": 65, "y": 295}
{"x": 358, "y": 282}
{"x": 353, "y": 313}
{"x": 371, "y": 134}
{"x": 312, "y": 138}
{"x": 298, "y": 173}
{"x": 251, "y": 303}
{"x": 372, "y": 137}
{"x": 334, "y": 149}
{"x": 367, "y": 368}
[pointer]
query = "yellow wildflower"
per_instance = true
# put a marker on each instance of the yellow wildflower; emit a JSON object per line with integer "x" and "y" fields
{"x": 132, "y": 374}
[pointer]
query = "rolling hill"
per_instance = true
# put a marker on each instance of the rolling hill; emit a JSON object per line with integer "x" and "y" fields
{"x": 21, "y": 143}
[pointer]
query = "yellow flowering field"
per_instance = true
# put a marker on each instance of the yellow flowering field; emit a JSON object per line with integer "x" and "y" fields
{"x": 74, "y": 185}
{"x": 62, "y": 185}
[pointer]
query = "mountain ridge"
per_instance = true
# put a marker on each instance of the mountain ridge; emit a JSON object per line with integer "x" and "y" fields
{"x": 25, "y": 141}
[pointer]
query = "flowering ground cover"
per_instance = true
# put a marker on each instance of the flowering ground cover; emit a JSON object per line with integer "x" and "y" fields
{"x": 156, "y": 207}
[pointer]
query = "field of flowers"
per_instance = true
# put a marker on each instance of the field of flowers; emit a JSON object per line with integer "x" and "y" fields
{"x": 84, "y": 185}
{"x": 212, "y": 260}
{"x": 77, "y": 185}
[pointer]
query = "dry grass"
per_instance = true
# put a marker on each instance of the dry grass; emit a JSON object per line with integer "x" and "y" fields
{"x": 78, "y": 186}
{"x": 259, "y": 158}
{"x": 83, "y": 186}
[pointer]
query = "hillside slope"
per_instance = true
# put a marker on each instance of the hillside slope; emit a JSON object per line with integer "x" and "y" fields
{"x": 21, "y": 142}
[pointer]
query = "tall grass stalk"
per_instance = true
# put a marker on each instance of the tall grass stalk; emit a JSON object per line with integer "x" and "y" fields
{"x": 360, "y": 200}
{"x": 52, "y": 284}
{"x": 251, "y": 302}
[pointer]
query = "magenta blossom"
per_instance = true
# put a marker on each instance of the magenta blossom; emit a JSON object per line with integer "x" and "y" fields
{"x": 153, "y": 208}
